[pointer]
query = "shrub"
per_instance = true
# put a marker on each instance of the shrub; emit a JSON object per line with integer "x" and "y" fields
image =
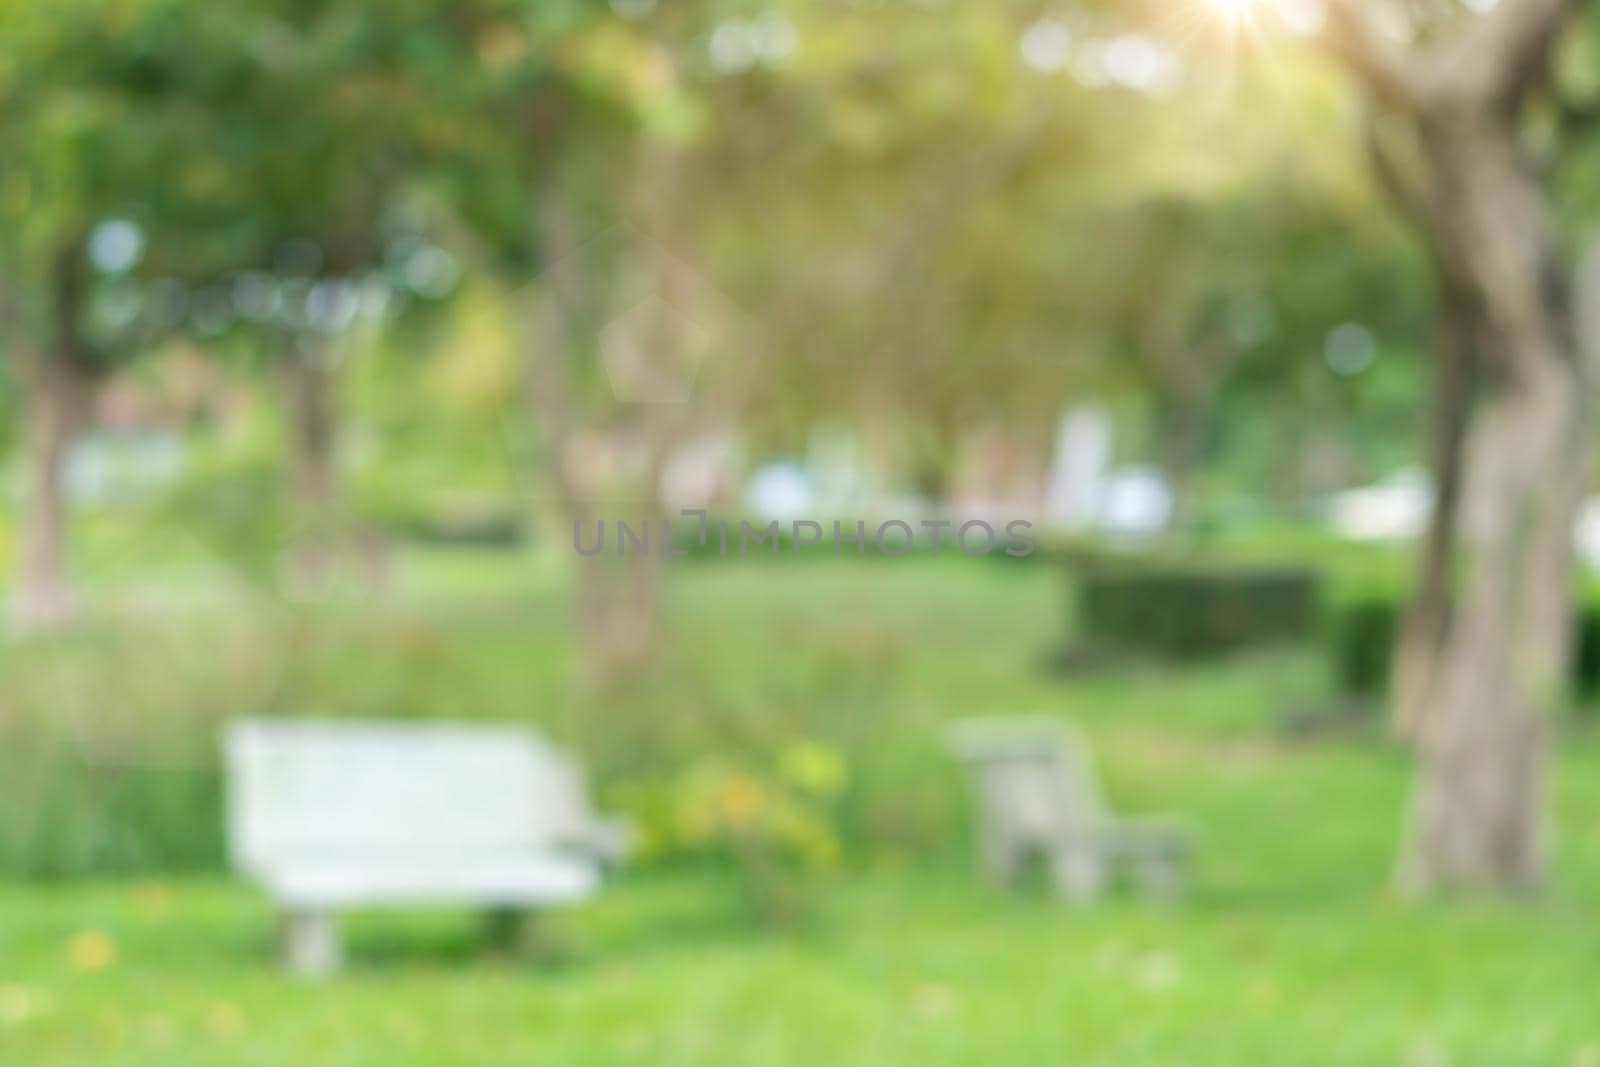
{"x": 464, "y": 528}
{"x": 774, "y": 824}
{"x": 1195, "y": 612}
{"x": 1363, "y": 636}
{"x": 1363, "y": 643}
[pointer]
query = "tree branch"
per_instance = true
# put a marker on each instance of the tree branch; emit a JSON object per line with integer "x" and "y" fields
{"x": 1506, "y": 52}
{"x": 1401, "y": 187}
{"x": 1380, "y": 64}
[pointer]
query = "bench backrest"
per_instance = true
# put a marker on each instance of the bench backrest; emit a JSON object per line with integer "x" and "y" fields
{"x": 310, "y": 788}
{"x": 1034, "y": 775}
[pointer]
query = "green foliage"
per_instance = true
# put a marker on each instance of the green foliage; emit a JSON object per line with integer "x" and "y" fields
{"x": 774, "y": 823}
{"x": 962, "y": 250}
{"x": 1363, "y": 645}
{"x": 1195, "y": 612}
{"x": 862, "y": 660}
{"x": 82, "y": 817}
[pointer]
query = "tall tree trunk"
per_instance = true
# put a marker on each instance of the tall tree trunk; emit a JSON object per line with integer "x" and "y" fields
{"x": 645, "y": 419}
{"x": 1186, "y": 368}
{"x": 311, "y": 403}
{"x": 1181, "y": 436}
{"x": 56, "y": 379}
{"x": 1462, "y": 87}
{"x": 618, "y": 613}
{"x": 615, "y": 600}
{"x": 55, "y": 391}
{"x": 1479, "y": 821}
{"x": 1478, "y": 811}
{"x": 1423, "y": 627}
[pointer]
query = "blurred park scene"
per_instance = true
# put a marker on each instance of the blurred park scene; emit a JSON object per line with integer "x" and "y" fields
{"x": 760, "y": 400}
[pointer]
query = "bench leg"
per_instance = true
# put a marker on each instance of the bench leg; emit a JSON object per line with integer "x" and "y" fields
{"x": 1079, "y": 870}
{"x": 998, "y": 854}
{"x": 521, "y": 931}
{"x": 1162, "y": 876}
{"x": 503, "y": 927}
{"x": 311, "y": 942}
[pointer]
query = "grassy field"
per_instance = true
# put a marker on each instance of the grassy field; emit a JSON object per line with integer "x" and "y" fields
{"x": 1289, "y": 951}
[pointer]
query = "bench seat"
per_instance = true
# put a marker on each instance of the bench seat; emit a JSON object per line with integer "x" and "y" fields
{"x": 535, "y": 879}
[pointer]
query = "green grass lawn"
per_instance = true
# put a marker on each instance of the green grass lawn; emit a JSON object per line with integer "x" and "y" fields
{"x": 902, "y": 967}
{"x": 1289, "y": 951}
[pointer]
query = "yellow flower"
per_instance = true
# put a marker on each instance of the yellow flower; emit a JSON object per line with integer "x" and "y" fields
{"x": 224, "y": 1019}
{"x": 740, "y": 801}
{"x": 808, "y": 839}
{"x": 158, "y": 1030}
{"x": 90, "y": 951}
{"x": 16, "y": 1005}
{"x": 931, "y": 1002}
{"x": 813, "y": 768}
{"x": 152, "y": 900}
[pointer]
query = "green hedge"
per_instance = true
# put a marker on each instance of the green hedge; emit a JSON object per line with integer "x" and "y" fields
{"x": 493, "y": 529}
{"x": 1363, "y": 644}
{"x": 1179, "y": 612}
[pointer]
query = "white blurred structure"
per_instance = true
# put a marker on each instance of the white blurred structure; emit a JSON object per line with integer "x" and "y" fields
{"x": 703, "y": 472}
{"x": 1072, "y": 499}
{"x": 1395, "y": 508}
{"x": 334, "y": 815}
{"x": 1586, "y": 534}
{"x": 781, "y": 491}
{"x": 1134, "y": 501}
{"x": 107, "y": 468}
{"x": 1398, "y": 508}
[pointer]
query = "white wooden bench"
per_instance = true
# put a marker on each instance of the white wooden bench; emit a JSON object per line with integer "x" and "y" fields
{"x": 330, "y": 816}
{"x": 1038, "y": 795}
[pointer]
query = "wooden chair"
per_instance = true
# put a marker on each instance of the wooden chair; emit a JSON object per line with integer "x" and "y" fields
{"x": 1038, "y": 795}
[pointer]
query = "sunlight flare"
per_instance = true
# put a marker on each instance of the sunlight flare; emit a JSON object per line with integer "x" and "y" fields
{"x": 1233, "y": 12}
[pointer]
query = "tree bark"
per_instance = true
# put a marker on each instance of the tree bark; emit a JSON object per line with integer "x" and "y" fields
{"x": 1187, "y": 369}
{"x": 618, "y": 605}
{"x": 1426, "y": 620}
{"x": 1183, "y": 418}
{"x": 309, "y": 397}
{"x": 56, "y": 377}
{"x": 1461, "y": 88}
{"x": 1478, "y": 810}
{"x": 615, "y": 599}
{"x": 55, "y": 390}
{"x": 1479, "y": 805}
